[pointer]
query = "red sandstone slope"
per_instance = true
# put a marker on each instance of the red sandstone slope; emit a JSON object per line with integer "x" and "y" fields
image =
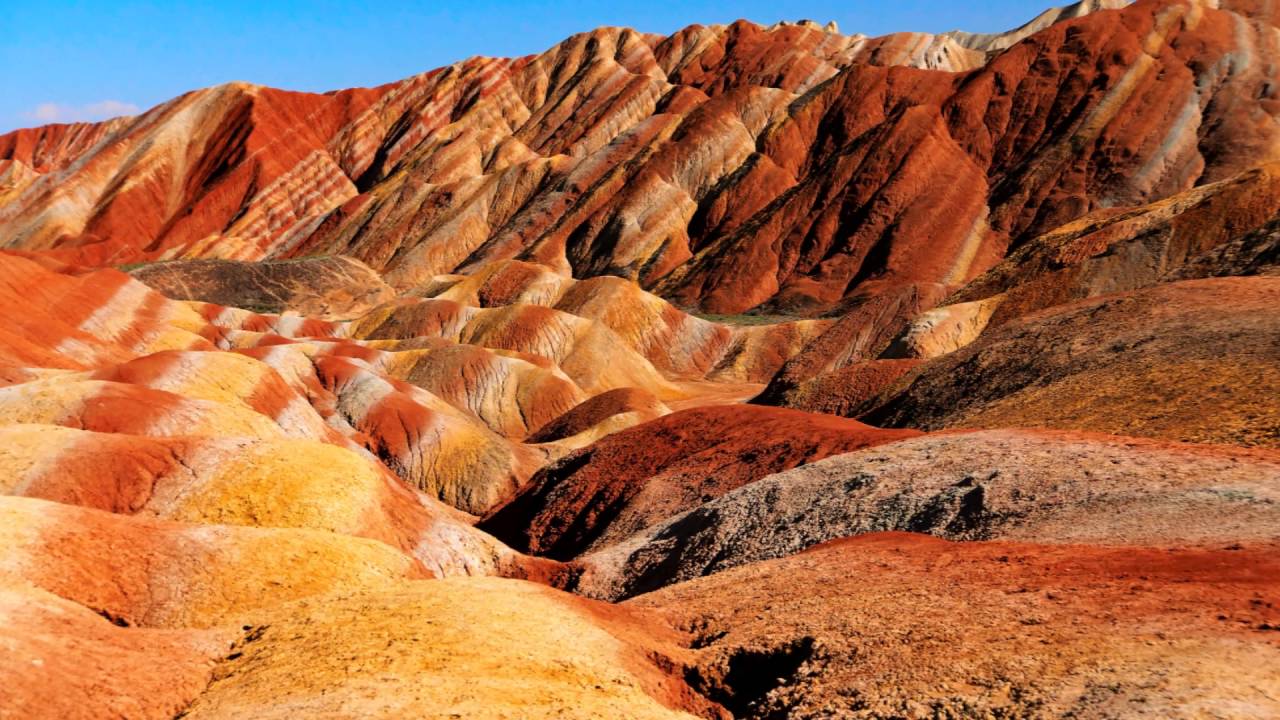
{"x": 63, "y": 660}
{"x": 1215, "y": 230}
{"x": 183, "y": 427}
{"x": 896, "y": 625}
{"x": 725, "y": 166}
{"x": 643, "y": 475}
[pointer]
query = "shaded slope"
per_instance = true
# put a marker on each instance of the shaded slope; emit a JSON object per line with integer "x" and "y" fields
{"x": 639, "y": 476}
{"x": 328, "y": 287}
{"x": 1193, "y": 361}
{"x": 1116, "y": 250}
{"x": 1040, "y": 486}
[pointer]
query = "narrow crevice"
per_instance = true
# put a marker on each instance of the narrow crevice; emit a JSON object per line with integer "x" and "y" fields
{"x": 252, "y": 633}
{"x": 117, "y": 620}
{"x": 744, "y": 683}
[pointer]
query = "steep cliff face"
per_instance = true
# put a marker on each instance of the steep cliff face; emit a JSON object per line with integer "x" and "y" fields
{"x": 726, "y": 167}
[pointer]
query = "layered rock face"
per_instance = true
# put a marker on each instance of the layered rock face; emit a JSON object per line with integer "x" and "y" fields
{"x": 603, "y": 493}
{"x": 172, "y": 470}
{"x": 327, "y": 288}
{"x": 441, "y": 398}
{"x": 727, "y": 167}
{"x": 1026, "y": 485}
{"x": 1196, "y": 360}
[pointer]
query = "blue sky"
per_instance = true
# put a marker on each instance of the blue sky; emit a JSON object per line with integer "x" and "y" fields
{"x": 65, "y": 60}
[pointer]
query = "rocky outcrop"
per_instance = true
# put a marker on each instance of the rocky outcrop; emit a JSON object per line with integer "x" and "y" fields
{"x": 849, "y": 391}
{"x": 1194, "y": 361}
{"x": 634, "y": 478}
{"x": 943, "y": 330}
{"x": 325, "y": 287}
{"x": 1218, "y": 228}
{"x": 862, "y": 334}
{"x": 1038, "y": 486}
{"x": 1254, "y": 253}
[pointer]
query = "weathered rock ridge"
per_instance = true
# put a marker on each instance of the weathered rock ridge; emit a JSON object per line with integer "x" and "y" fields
{"x": 726, "y": 167}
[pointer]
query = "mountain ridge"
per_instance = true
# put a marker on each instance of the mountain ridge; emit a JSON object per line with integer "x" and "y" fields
{"x": 677, "y": 156}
